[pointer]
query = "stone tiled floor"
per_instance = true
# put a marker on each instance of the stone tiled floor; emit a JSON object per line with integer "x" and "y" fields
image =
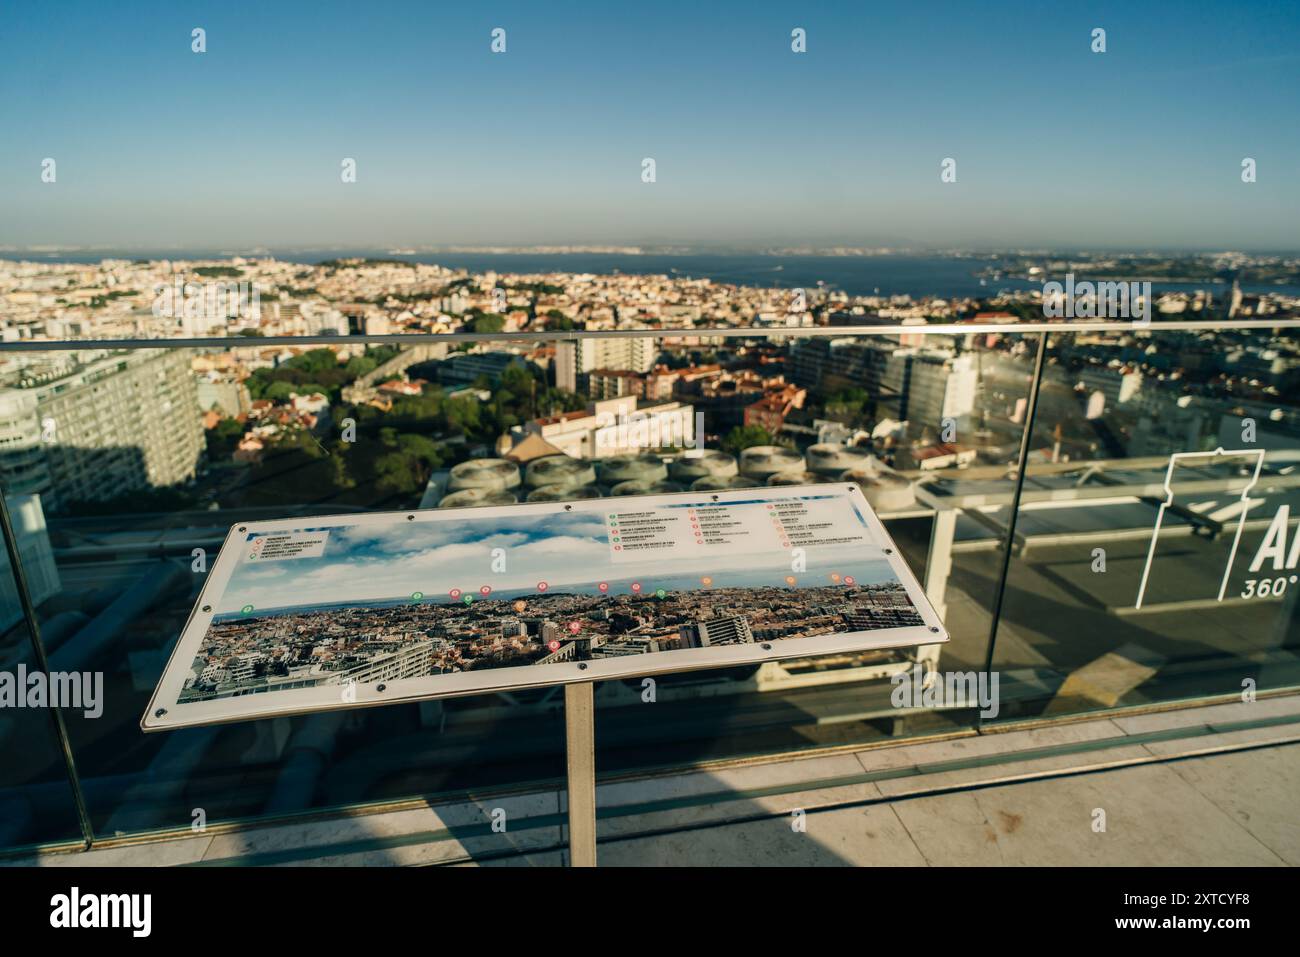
{"x": 1230, "y": 809}
{"x": 1169, "y": 791}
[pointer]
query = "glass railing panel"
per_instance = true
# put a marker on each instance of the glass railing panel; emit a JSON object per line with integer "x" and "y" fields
{"x": 136, "y": 471}
{"x": 1153, "y": 558}
{"x": 37, "y": 806}
{"x": 143, "y": 459}
{"x": 918, "y": 413}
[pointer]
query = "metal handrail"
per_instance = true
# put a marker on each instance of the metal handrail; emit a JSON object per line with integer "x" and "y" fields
{"x": 417, "y": 338}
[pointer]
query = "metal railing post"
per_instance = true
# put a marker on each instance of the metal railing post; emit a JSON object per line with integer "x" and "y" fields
{"x": 1022, "y": 463}
{"x": 580, "y": 752}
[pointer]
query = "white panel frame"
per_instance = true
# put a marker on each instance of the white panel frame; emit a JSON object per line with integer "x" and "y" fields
{"x": 166, "y": 713}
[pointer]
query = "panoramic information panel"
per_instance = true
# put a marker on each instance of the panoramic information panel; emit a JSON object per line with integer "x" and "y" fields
{"x": 321, "y": 613}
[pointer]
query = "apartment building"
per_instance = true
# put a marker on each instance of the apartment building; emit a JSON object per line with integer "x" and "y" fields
{"x": 613, "y": 427}
{"x": 35, "y": 554}
{"x": 92, "y": 427}
{"x": 724, "y": 630}
{"x": 922, "y": 386}
{"x": 576, "y": 359}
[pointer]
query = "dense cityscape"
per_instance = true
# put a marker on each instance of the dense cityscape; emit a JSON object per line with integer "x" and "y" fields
{"x": 350, "y": 424}
{"x": 308, "y": 647}
{"x": 381, "y": 425}
{"x": 252, "y": 296}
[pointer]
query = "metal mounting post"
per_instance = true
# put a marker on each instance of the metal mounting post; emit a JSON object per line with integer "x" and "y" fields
{"x": 580, "y": 747}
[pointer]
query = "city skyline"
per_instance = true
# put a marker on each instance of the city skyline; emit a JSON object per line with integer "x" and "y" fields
{"x": 1056, "y": 146}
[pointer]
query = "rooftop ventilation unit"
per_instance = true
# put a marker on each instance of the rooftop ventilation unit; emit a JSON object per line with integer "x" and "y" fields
{"x": 720, "y": 483}
{"x": 484, "y": 474}
{"x": 796, "y": 477}
{"x": 563, "y": 493}
{"x": 764, "y": 460}
{"x": 558, "y": 470}
{"x": 470, "y": 497}
{"x": 883, "y": 489}
{"x": 712, "y": 463}
{"x": 831, "y": 459}
{"x": 631, "y": 468}
{"x": 645, "y": 488}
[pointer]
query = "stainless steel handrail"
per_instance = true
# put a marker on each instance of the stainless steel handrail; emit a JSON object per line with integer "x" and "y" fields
{"x": 418, "y": 338}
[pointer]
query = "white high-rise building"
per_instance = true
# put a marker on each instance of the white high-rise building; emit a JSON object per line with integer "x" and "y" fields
{"x": 574, "y": 358}
{"x": 90, "y": 427}
{"x": 35, "y": 554}
{"x": 939, "y": 387}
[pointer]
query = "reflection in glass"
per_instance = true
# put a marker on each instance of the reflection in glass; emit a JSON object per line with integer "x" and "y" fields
{"x": 1153, "y": 554}
{"x": 37, "y": 806}
{"x": 128, "y": 468}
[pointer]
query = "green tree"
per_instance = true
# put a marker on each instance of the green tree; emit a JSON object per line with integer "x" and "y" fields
{"x": 519, "y": 381}
{"x": 294, "y": 470}
{"x": 847, "y": 405}
{"x": 358, "y": 366}
{"x": 487, "y": 322}
{"x": 317, "y": 360}
{"x": 223, "y": 438}
{"x": 744, "y": 437}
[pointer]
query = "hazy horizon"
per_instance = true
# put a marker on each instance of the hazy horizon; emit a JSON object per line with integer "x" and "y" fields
{"x": 52, "y": 251}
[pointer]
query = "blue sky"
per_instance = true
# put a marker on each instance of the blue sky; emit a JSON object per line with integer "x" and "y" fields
{"x": 241, "y": 146}
{"x": 372, "y": 562}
